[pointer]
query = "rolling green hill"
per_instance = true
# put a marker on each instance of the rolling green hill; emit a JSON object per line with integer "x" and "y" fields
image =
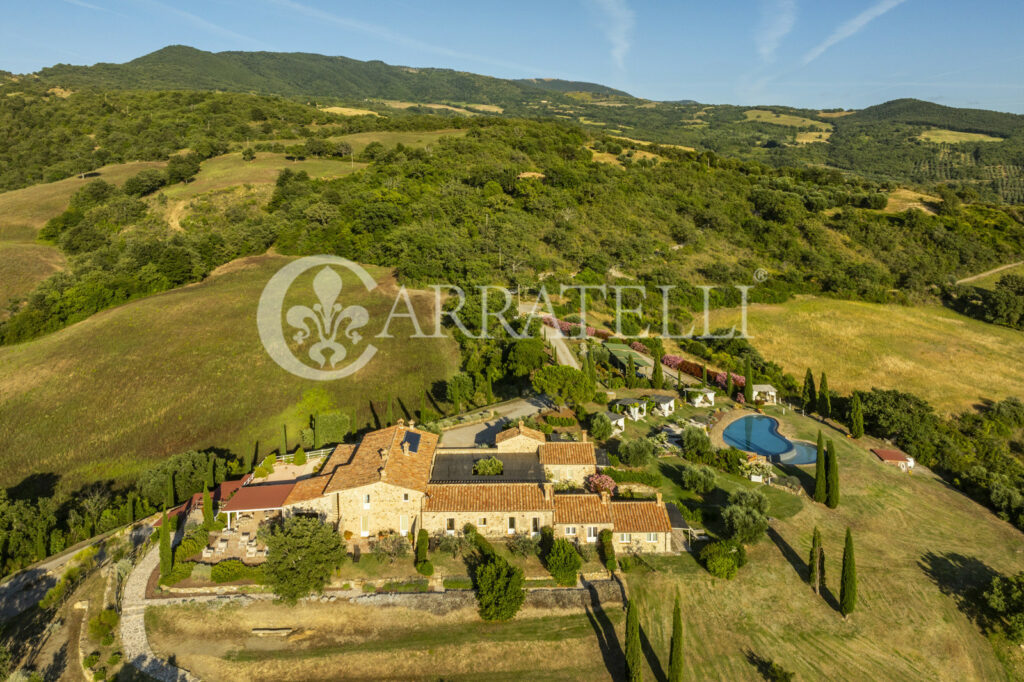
{"x": 179, "y": 67}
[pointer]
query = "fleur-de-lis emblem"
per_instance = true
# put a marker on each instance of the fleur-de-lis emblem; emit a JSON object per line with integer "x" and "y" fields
{"x": 326, "y": 318}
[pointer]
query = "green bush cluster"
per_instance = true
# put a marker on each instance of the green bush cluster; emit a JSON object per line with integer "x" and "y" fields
{"x": 556, "y": 420}
{"x": 181, "y": 570}
{"x": 651, "y": 478}
{"x": 232, "y": 570}
{"x": 723, "y": 558}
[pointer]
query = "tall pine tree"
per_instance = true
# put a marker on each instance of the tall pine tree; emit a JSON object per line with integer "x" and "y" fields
{"x": 824, "y": 399}
{"x": 856, "y": 417}
{"x": 848, "y": 586}
{"x": 832, "y": 477}
{"x": 748, "y": 385}
{"x": 634, "y": 654}
{"x": 816, "y": 563}
{"x": 820, "y": 475}
{"x": 675, "y": 665}
{"x": 808, "y": 396}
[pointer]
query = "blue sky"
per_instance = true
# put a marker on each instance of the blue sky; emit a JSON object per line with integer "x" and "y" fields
{"x": 848, "y": 53}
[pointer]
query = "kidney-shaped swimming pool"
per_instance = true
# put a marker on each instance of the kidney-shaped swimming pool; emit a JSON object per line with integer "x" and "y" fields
{"x": 760, "y": 434}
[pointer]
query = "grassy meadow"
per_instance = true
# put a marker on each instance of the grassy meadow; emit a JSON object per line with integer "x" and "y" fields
{"x": 765, "y": 116}
{"x": 927, "y": 350}
{"x": 989, "y": 281}
{"x": 921, "y": 547}
{"x": 942, "y": 136}
{"x": 23, "y": 262}
{"x": 34, "y": 205}
{"x": 185, "y": 369}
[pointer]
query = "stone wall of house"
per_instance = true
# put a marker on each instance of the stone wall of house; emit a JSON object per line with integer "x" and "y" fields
{"x": 581, "y": 531}
{"x": 325, "y": 507}
{"x": 638, "y": 543}
{"x": 497, "y": 522}
{"x": 573, "y": 473}
{"x": 387, "y": 506}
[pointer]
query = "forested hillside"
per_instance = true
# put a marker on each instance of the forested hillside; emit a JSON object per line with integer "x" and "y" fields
{"x": 979, "y": 154}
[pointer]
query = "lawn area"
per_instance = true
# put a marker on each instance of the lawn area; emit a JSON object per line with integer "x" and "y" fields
{"x": 926, "y": 350}
{"x": 349, "y": 641}
{"x": 185, "y": 369}
{"x": 921, "y": 547}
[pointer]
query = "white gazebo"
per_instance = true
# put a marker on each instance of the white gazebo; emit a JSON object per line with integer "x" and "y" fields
{"x": 634, "y": 408}
{"x": 765, "y": 393}
{"x": 701, "y": 397}
{"x": 664, "y": 404}
{"x": 618, "y": 422}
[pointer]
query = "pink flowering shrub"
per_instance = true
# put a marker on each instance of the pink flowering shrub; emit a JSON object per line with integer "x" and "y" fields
{"x": 696, "y": 370}
{"x": 639, "y": 347}
{"x": 598, "y": 483}
{"x": 572, "y": 328}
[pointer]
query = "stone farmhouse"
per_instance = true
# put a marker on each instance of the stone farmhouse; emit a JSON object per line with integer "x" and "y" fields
{"x": 399, "y": 479}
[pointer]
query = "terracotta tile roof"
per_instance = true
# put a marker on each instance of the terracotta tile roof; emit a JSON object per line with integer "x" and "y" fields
{"x": 567, "y": 453}
{"x": 257, "y": 497}
{"x": 308, "y": 489}
{"x": 491, "y": 497}
{"x": 519, "y": 430}
{"x": 380, "y": 456}
{"x": 889, "y": 455}
{"x": 220, "y": 493}
{"x": 640, "y": 517}
{"x": 579, "y": 509}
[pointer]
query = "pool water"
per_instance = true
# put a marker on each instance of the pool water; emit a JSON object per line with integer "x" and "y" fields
{"x": 760, "y": 435}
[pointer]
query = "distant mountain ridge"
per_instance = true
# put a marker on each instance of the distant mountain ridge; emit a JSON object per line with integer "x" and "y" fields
{"x": 290, "y": 74}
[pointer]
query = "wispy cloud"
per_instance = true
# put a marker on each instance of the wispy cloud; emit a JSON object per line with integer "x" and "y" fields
{"x": 777, "y": 20}
{"x": 390, "y": 36}
{"x": 87, "y": 5}
{"x": 201, "y": 23}
{"x": 851, "y": 27}
{"x": 618, "y": 28}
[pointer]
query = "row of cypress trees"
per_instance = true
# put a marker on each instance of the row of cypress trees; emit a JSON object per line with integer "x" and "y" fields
{"x": 826, "y": 474}
{"x": 819, "y": 399}
{"x": 634, "y": 651}
{"x": 848, "y": 579}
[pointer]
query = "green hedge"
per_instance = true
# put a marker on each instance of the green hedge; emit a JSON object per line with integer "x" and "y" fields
{"x": 230, "y": 570}
{"x": 555, "y": 420}
{"x": 650, "y": 478}
{"x": 180, "y": 571}
{"x": 405, "y": 586}
{"x": 192, "y": 544}
{"x": 425, "y": 568}
{"x": 607, "y": 549}
{"x": 458, "y": 584}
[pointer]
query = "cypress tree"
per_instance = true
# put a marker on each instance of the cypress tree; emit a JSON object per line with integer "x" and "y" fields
{"x": 657, "y": 375}
{"x": 211, "y": 479}
{"x": 824, "y": 400}
{"x": 748, "y": 386}
{"x": 317, "y": 443}
{"x": 832, "y": 477}
{"x": 820, "y": 475}
{"x": 808, "y": 396}
{"x": 729, "y": 388}
{"x": 207, "y": 506}
{"x": 630, "y": 373}
{"x": 856, "y": 417}
{"x": 166, "y": 558}
{"x": 816, "y": 563}
{"x": 704, "y": 374}
{"x": 300, "y": 456}
{"x": 169, "y": 497}
{"x": 675, "y": 666}
{"x": 634, "y": 655}
{"x": 848, "y": 586}
{"x": 284, "y": 440}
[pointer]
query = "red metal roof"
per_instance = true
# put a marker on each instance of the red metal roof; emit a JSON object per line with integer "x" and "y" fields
{"x": 259, "y": 497}
{"x": 890, "y": 455}
{"x": 220, "y": 493}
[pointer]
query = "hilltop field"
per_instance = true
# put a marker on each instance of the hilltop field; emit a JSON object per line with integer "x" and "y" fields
{"x": 107, "y": 397}
{"x": 930, "y": 351}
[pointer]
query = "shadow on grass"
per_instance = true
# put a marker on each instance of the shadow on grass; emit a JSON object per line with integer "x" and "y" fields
{"x": 652, "y": 658}
{"x": 963, "y": 578}
{"x": 766, "y": 667}
{"x": 607, "y": 640}
{"x": 789, "y": 553}
{"x": 805, "y": 478}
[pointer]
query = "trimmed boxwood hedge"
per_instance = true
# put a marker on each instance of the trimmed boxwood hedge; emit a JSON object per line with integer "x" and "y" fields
{"x": 230, "y": 570}
{"x": 645, "y": 477}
